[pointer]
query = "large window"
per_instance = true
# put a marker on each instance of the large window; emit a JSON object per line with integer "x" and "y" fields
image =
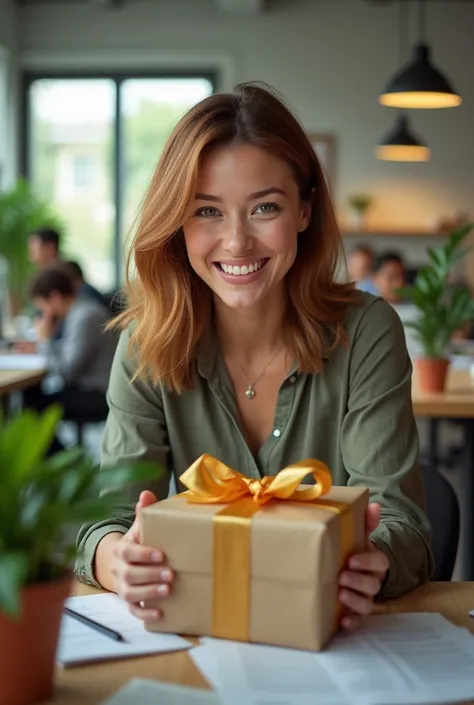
{"x": 91, "y": 144}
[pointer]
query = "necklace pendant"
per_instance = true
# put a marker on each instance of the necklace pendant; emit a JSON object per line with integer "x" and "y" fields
{"x": 250, "y": 392}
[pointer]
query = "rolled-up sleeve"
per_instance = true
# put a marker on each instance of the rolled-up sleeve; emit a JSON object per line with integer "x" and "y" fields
{"x": 135, "y": 430}
{"x": 380, "y": 445}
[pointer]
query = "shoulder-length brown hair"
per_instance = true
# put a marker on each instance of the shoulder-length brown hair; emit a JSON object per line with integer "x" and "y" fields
{"x": 168, "y": 303}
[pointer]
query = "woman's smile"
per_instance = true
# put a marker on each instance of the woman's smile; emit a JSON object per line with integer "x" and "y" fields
{"x": 241, "y": 271}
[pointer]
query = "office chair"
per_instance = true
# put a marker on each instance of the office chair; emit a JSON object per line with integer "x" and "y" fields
{"x": 442, "y": 509}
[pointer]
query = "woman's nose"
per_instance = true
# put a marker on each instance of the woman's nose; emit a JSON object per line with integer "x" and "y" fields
{"x": 237, "y": 237}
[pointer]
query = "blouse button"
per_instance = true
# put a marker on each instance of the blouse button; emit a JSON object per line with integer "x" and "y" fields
{"x": 277, "y": 433}
{"x": 292, "y": 379}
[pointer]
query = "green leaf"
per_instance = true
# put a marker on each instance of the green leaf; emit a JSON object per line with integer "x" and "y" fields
{"x": 39, "y": 432}
{"x": 42, "y": 499}
{"x": 13, "y": 572}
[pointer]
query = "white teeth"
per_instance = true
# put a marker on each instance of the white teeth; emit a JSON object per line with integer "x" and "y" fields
{"x": 237, "y": 271}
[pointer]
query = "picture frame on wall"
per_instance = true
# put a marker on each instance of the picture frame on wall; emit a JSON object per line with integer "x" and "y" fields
{"x": 324, "y": 144}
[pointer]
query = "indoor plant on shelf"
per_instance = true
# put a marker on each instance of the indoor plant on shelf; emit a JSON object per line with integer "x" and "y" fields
{"x": 360, "y": 204}
{"x": 442, "y": 307}
{"x": 40, "y": 499}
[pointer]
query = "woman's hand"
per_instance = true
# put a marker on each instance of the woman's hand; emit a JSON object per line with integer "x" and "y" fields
{"x": 363, "y": 580}
{"x": 140, "y": 572}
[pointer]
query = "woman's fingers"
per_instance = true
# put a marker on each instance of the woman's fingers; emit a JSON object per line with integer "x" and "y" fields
{"x": 145, "y": 613}
{"x": 356, "y": 602}
{"x": 364, "y": 583}
{"x": 372, "y": 517}
{"x": 141, "y": 593}
{"x": 130, "y": 552}
{"x": 372, "y": 562}
{"x": 350, "y": 621}
{"x": 144, "y": 575}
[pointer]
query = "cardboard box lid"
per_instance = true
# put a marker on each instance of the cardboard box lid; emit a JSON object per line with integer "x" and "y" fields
{"x": 291, "y": 541}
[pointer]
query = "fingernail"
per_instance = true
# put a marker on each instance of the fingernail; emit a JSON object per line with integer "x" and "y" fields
{"x": 157, "y": 557}
{"x": 157, "y": 614}
{"x": 354, "y": 563}
{"x": 166, "y": 574}
{"x": 162, "y": 590}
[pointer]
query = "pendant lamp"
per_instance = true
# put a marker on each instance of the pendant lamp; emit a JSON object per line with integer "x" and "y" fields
{"x": 401, "y": 144}
{"x": 419, "y": 84}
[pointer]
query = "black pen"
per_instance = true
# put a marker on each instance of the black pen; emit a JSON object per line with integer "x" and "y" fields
{"x": 106, "y": 631}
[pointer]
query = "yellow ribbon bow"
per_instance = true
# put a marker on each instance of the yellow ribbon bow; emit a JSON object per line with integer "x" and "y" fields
{"x": 210, "y": 481}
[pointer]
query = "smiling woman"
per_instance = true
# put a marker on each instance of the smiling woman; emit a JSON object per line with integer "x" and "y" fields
{"x": 239, "y": 342}
{"x": 241, "y": 166}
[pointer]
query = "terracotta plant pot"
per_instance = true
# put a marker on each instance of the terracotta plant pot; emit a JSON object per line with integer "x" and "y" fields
{"x": 431, "y": 374}
{"x": 28, "y": 646}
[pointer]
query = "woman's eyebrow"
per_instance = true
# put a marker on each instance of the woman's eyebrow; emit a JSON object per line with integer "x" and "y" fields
{"x": 251, "y": 197}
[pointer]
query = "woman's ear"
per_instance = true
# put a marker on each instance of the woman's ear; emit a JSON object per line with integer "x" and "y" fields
{"x": 305, "y": 216}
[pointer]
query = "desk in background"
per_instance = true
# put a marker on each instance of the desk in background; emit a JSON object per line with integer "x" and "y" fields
{"x": 455, "y": 403}
{"x": 90, "y": 685}
{"x": 16, "y": 381}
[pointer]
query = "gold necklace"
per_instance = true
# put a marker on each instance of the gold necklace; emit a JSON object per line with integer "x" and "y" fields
{"x": 250, "y": 391}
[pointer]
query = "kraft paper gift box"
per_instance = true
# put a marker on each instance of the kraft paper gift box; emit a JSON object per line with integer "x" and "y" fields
{"x": 251, "y": 562}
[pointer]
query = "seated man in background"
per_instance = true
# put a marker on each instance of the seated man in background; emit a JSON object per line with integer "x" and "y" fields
{"x": 44, "y": 251}
{"x": 360, "y": 265}
{"x": 43, "y": 247}
{"x": 79, "y": 362}
{"x": 83, "y": 287}
{"x": 389, "y": 275}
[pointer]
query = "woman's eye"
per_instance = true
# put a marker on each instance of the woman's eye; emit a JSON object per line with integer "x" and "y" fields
{"x": 267, "y": 208}
{"x": 207, "y": 212}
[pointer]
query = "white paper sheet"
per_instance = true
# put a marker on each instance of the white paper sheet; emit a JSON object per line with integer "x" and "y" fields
{"x": 407, "y": 658}
{"x": 394, "y": 660}
{"x": 204, "y": 658}
{"x": 147, "y": 692}
{"x": 15, "y": 361}
{"x": 79, "y": 643}
{"x": 266, "y": 675}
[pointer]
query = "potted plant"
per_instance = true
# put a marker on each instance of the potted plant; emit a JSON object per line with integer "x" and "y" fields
{"x": 21, "y": 212}
{"x": 41, "y": 498}
{"x": 360, "y": 204}
{"x": 442, "y": 307}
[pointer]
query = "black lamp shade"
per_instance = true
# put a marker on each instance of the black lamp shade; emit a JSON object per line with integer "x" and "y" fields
{"x": 420, "y": 85}
{"x": 402, "y": 145}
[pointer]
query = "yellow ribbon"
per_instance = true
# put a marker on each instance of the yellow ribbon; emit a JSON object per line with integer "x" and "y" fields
{"x": 209, "y": 481}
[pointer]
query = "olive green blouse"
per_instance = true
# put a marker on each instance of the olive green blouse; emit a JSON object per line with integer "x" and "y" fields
{"x": 356, "y": 416}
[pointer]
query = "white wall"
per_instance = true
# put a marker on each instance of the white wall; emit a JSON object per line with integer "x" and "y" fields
{"x": 8, "y": 92}
{"x": 328, "y": 57}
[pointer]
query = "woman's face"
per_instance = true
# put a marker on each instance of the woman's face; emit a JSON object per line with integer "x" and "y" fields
{"x": 242, "y": 235}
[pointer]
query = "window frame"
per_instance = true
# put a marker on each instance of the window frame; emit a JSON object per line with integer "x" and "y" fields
{"x": 28, "y": 78}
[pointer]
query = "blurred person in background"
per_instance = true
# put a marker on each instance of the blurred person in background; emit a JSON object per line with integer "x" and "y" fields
{"x": 389, "y": 275}
{"x": 79, "y": 362}
{"x": 360, "y": 267}
{"x": 43, "y": 247}
{"x": 83, "y": 287}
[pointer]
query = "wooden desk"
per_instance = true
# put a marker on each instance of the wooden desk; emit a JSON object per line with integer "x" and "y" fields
{"x": 455, "y": 403}
{"x": 17, "y": 380}
{"x": 89, "y": 685}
